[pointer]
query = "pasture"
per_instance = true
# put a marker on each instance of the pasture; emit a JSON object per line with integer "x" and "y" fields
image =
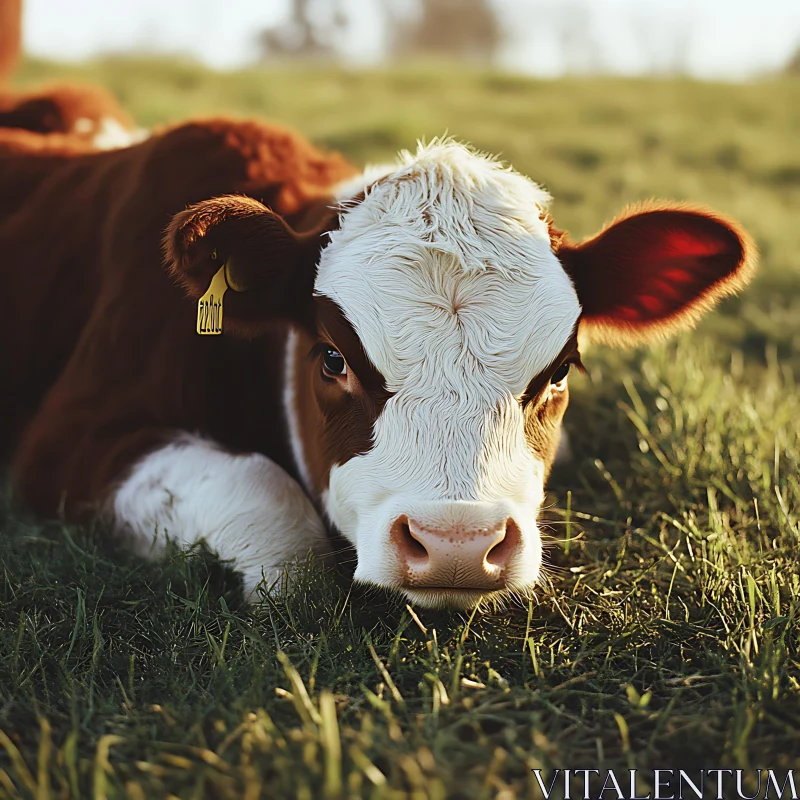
{"x": 668, "y": 633}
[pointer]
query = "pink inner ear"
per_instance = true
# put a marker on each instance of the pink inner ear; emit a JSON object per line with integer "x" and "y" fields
{"x": 676, "y": 276}
{"x": 653, "y": 266}
{"x": 653, "y": 305}
{"x": 628, "y": 314}
{"x": 686, "y": 243}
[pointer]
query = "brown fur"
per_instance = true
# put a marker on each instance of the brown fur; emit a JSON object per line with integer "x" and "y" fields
{"x": 269, "y": 266}
{"x": 543, "y": 411}
{"x": 10, "y": 36}
{"x": 106, "y": 362}
{"x": 336, "y": 425}
{"x": 76, "y": 110}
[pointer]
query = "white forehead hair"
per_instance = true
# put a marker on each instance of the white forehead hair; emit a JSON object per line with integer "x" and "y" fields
{"x": 446, "y": 272}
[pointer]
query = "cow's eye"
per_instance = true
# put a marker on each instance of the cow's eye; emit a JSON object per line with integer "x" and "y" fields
{"x": 560, "y": 375}
{"x": 333, "y": 363}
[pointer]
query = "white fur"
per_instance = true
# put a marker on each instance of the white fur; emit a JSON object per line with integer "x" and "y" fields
{"x": 446, "y": 272}
{"x": 290, "y": 409}
{"x": 109, "y": 133}
{"x": 245, "y": 507}
{"x": 347, "y": 189}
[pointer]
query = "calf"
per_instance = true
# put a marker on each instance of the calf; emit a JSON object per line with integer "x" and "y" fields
{"x": 389, "y": 356}
{"x": 86, "y": 112}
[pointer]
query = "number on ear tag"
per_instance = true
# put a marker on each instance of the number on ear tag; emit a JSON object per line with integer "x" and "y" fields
{"x": 209, "y": 306}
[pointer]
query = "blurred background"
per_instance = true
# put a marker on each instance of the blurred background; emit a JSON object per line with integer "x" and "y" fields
{"x": 727, "y": 39}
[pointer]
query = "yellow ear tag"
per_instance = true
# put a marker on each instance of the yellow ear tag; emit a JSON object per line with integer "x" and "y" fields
{"x": 209, "y": 306}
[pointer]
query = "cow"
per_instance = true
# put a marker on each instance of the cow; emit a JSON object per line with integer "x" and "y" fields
{"x": 86, "y": 112}
{"x": 89, "y": 113}
{"x": 222, "y": 333}
{"x": 389, "y": 349}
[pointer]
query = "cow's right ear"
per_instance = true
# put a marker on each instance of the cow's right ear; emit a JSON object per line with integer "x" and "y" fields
{"x": 269, "y": 268}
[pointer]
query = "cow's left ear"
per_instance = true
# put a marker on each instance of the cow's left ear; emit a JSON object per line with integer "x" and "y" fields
{"x": 269, "y": 269}
{"x": 655, "y": 270}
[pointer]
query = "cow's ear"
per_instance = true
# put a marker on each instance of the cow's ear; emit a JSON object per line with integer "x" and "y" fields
{"x": 269, "y": 269}
{"x": 655, "y": 270}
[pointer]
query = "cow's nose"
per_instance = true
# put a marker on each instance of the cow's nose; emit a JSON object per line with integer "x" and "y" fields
{"x": 455, "y": 557}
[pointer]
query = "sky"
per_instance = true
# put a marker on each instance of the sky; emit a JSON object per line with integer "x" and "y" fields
{"x": 728, "y": 39}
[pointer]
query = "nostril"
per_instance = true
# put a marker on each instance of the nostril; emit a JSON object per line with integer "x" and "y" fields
{"x": 498, "y": 556}
{"x": 409, "y": 547}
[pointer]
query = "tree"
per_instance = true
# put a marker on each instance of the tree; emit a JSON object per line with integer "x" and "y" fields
{"x": 458, "y": 29}
{"x": 322, "y": 29}
{"x": 793, "y": 64}
{"x": 311, "y": 32}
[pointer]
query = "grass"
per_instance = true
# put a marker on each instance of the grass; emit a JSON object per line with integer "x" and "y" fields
{"x": 669, "y": 632}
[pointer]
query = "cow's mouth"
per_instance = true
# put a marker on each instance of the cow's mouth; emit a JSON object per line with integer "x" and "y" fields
{"x": 453, "y": 597}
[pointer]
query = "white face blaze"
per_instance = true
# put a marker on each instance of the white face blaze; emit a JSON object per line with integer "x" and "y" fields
{"x": 446, "y": 272}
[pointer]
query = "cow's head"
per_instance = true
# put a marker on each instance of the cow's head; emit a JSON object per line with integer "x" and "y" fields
{"x": 433, "y": 332}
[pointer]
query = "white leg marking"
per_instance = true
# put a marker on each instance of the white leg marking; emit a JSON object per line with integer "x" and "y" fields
{"x": 245, "y": 507}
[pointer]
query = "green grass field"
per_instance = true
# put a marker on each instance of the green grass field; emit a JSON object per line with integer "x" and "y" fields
{"x": 669, "y": 632}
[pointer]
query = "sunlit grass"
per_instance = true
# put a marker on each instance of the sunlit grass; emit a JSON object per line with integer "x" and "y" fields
{"x": 668, "y": 634}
